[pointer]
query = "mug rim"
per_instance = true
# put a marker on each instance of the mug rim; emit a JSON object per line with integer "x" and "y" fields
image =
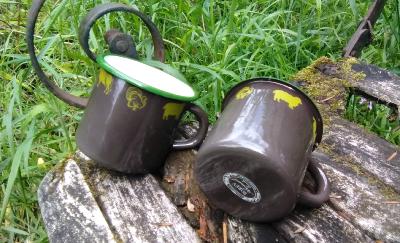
{"x": 103, "y": 64}
{"x": 316, "y": 112}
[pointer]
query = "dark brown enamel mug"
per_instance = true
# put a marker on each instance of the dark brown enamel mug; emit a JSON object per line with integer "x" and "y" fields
{"x": 132, "y": 114}
{"x": 253, "y": 162}
{"x": 131, "y": 130}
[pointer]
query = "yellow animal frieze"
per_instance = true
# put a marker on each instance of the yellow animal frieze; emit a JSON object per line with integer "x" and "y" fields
{"x": 244, "y": 92}
{"x": 136, "y": 100}
{"x": 106, "y": 80}
{"x": 172, "y": 109}
{"x": 292, "y": 101}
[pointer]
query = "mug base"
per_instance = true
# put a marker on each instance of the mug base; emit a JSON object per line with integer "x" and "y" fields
{"x": 243, "y": 184}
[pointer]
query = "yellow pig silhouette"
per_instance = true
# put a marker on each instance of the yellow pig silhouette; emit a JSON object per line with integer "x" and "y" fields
{"x": 244, "y": 92}
{"x": 106, "y": 80}
{"x": 291, "y": 100}
{"x": 172, "y": 109}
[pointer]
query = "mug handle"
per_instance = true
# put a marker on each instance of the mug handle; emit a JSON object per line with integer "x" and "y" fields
{"x": 323, "y": 188}
{"x": 202, "y": 117}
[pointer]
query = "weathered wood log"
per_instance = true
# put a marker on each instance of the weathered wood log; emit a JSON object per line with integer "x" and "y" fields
{"x": 374, "y": 82}
{"x": 243, "y": 231}
{"x": 319, "y": 225}
{"x": 362, "y": 199}
{"x": 83, "y": 203}
{"x": 328, "y": 83}
{"x": 68, "y": 207}
{"x": 378, "y": 83}
{"x": 366, "y": 149}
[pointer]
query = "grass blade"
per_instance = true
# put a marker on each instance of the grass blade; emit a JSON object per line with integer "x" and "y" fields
{"x": 21, "y": 153}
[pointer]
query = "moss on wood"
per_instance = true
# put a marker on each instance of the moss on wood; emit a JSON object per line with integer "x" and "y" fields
{"x": 327, "y": 82}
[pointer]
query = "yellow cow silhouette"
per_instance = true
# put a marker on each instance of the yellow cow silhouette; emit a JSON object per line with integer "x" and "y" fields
{"x": 291, "y": 100}
{"x": 106, "y": 80}
{"x": 244, "y": 92}
{"x": 172, "y": 109}
{"x": 136, "y": 100}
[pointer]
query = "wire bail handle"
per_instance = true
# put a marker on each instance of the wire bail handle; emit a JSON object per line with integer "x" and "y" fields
{"x": 119, "y": 43}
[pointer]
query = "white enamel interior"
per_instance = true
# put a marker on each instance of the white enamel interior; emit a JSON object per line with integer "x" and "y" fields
{"x": 149, "y": 75}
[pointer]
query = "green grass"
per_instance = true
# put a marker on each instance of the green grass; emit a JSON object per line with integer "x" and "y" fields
{"x": 215, "y": 44}
{"x": 378, "y": 118}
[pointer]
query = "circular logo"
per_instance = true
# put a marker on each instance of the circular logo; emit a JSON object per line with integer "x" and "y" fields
{"x": 242, "y": 187}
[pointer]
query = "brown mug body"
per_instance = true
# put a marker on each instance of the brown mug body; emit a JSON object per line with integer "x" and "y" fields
{"x": 130, "y": 130}
{"x": 253, "y": 162}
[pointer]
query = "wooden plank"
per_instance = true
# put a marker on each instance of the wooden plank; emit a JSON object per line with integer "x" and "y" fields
{"x": 378, "y": 83}
{"x": 319, "y": 225}
{"x": 136, "y": 207}
{"x": 366, "y": 79}
{"x": 69, "y": 209}
{"x": 242, "y": 231}
{"x": 371, "y": 153}
{"x": 83, "y": 203}
{"x": 368, "y": 190}
{"x": 363, "y": 201}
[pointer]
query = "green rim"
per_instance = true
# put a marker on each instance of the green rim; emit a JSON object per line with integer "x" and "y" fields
{"x": 103, "y": 64}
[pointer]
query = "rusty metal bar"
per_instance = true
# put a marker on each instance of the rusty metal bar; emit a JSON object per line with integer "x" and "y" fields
{"x": 363, "y": 35}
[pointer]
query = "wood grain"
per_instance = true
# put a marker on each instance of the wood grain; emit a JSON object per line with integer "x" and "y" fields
{"x": 366, "y": 149}
{"x": 378, "y": 83}
{"x": 68, "y": 207}
{"x": 83, "y": 203}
